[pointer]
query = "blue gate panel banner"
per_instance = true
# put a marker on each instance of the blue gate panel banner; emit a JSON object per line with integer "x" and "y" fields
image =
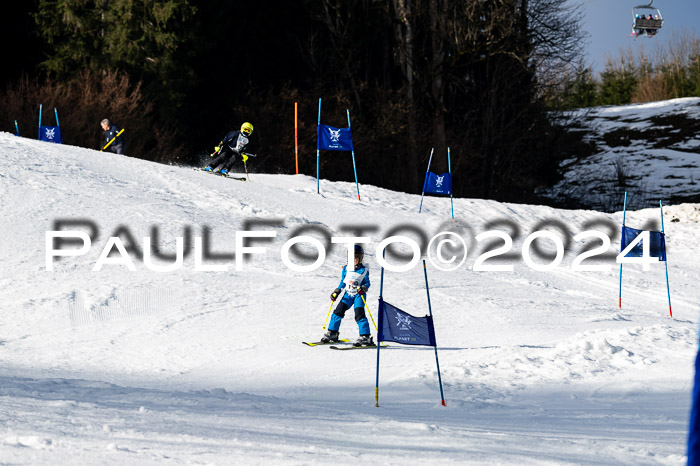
{"x": 330, "y": 138}
{"x": 401, "y": 327}
{"x": 657, "y": 243}
{"x": 438, "y": 184}
{"x": 50, "y": 134}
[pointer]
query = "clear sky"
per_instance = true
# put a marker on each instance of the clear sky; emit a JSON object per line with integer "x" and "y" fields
{"x": 610, "y": 21}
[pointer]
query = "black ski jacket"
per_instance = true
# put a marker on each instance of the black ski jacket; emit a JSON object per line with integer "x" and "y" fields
{"x": 238, "y": 141}
{"x": 110, "y": 133}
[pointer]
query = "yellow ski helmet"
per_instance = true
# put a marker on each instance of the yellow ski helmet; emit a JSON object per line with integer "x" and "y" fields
{"x": 247, "y": 128}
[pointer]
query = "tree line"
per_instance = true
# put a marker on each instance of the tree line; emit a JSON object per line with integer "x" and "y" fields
{"x": 671, "y": 71}
{"x": 415, "y": 74}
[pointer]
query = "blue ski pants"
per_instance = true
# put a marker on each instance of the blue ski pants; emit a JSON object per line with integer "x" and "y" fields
{"x": 360, "y": 318}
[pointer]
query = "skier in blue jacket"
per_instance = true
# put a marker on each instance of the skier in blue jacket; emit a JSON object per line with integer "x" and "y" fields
{"x": 356, "y": 283}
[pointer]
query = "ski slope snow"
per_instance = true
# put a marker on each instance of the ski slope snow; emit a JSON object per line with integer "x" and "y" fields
{"x": 121, "y": 366}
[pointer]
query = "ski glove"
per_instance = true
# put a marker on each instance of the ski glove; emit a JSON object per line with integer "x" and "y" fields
{"x": 335, "y": 294}
{"x": 362, "y": 290}
{"x": 245, "y": 158}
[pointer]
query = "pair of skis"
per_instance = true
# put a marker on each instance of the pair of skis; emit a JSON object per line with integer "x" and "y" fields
{"x": 321, "y": 343}
{"x": 222, "y": 176}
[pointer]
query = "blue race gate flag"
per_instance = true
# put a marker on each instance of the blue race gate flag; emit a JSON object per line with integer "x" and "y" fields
{"x": 330, "y": 138}
{"x": 401, "y": 327}
{"x": 438, "y": 184}
{"x": 657, "y": 246}
{"x": 50, "y": 134}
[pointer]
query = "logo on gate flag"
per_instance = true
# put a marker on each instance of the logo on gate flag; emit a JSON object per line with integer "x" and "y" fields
{"x": 657, "y": 243}
{"x": 403, "y": 322}
{"x": 330, "y": 138}
{"x": 401, "y": 327}
{"x": 51, "y": 134}
{"x": 438, "y": 184}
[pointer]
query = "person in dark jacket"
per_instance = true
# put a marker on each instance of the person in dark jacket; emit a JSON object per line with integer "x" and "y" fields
{"x": 112, "y": 130}
{"x": 230, "y": 149}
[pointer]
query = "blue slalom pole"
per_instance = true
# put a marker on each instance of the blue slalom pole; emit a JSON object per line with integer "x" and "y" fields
{"x": 426, "y": 180}
{"x": 381, "y": 278}
{"x": 380, "y": 316}
{"x": 318, "y": 189}
{"x": 357, "y": 186}
{"x": 449, "y": 169}
{"x": 16, "y": 128}
{"x": 56, "y": 113}
{"x": 668, "y": 289}
{"x": 624, "y": 214}
{"x": 430, "y": 310}
{"x": 39, "y": 133}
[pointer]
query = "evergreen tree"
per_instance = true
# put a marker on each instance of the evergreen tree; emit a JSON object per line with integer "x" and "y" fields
{"x": 582, "y": 90}
{"x": 694, "y": 73}
{"x": 618, "y": 81}
{"x": 146, "y": 38}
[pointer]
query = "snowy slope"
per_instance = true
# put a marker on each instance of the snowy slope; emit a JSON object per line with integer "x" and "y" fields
{"x": 144, "y": 367}
{"x": 651, "y": 150}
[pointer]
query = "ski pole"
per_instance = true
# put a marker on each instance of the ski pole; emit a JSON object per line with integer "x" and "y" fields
{"x": 341, "y": 296}
{"x": 329, "y": 314}
{"x": 246, "y": 171}
{"x": 217, "y": 149}
{"x": 110, "y": 142}
{"x": 368, "y": 312}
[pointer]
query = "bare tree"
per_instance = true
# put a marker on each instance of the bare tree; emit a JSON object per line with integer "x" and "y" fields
{"x": 557, "y": 40}
{"x": 339, "y": 18}
{"x": 438, "y": 39}
{"x": 404, "y": 53}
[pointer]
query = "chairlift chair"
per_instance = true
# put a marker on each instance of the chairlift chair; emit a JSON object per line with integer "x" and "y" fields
{"x": 641, "y": 23}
